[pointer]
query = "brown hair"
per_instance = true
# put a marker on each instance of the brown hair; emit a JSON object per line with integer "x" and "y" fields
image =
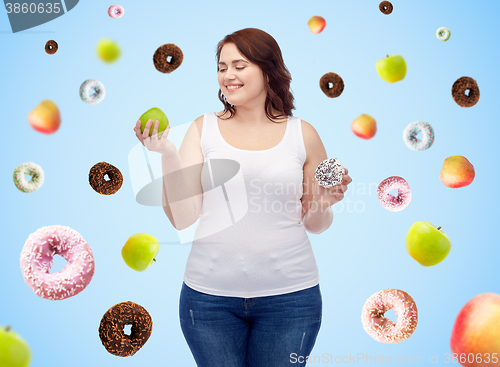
{"x": 262, "y": 49}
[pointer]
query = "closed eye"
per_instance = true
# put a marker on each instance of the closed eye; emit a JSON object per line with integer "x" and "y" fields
{"x": 237, "y": 68}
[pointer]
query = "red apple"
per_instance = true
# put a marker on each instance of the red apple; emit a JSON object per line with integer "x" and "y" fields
{"x": 316, "y": 24}
{"x": 476, "y": 333}
{"x": 364, "y": 126}
{"x": 45, "y": 118}
{"x": 457, "y": 172}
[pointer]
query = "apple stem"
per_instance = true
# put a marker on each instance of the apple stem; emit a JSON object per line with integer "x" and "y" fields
{"x": 155, "y": 259}
{"x": 387, "y": 55}
{"x": 7, "y": 328}
{"x": 439, "y": 228}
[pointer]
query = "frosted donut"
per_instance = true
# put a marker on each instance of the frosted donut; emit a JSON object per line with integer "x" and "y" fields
{"x": 116, "y": 11}
{"x": 329, "y": 173}
{"x": 31, "y": 169}
{"x": 37, "y": 258}
{"x": 383, "y": 329}
{"x": 390, "y": 202}
{"x": 97, "y": 96}
{"x": 443, "y": 34}
{"x": 410, "y": 135}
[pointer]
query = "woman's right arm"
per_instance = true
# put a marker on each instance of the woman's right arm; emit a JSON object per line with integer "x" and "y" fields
{"x": 182, "y": 191}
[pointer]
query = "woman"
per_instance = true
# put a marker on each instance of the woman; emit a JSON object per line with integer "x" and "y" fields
{"x": 251, "y": 293}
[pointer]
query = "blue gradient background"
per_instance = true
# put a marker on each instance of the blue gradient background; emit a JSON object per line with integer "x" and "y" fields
{"x": 364, "y": 250}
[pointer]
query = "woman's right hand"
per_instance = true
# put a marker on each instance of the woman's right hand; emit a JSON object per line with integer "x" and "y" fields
{"x": 154, "y": 144}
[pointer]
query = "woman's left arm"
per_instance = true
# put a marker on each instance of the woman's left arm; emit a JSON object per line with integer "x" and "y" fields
{"x": 317, "y": 214}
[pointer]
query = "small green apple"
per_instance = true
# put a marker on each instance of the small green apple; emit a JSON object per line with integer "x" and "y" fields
{"x": 14, "y": 351}
{"x": 108, "y": 50}
{"x": 391, "y": 68}
{"x": 427, "y": 244}
{"x": 140, "y": 251}
{"x": 154, "y": 114}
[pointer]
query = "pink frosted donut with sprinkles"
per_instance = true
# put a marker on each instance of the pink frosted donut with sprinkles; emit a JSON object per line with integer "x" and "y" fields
{"x": 116, "y": 11}
{"x": 410, "y": 135}
{"x": 383, "y": 329}
{"x": 388, "y": 201}
{"x": 37, "y": 257}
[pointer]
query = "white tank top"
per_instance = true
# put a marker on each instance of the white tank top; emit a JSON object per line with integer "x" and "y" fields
{"x": 268, "y": 251}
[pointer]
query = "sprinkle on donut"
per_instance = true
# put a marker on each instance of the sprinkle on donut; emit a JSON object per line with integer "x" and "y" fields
{"x": 383, "y": 329}
{"x": 161, "y": 58}
{"x": 51, "y": 47}
{"x": 37, "y": 258}
{"x": 465, "y": 92}
{"x": 329, "y": 173}
{"x": 332, "y": 85}
{"x": 98, "y": 180}
{"x": 111, "y": 328}
{"x": 387, "y": 200}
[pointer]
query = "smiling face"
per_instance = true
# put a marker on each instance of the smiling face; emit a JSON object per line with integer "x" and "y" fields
{"x": 241, "y": 81}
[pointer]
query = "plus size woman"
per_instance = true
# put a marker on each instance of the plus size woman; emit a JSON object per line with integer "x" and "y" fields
{"x": 250, "y": 295}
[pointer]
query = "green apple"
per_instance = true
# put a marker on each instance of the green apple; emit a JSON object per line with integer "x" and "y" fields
{"x": 108, "y": 50}
{"x": 427, "y": 244}
{"x": 140, "y": 251}
{"x": 154, "y": 114}
{"x": 391, "y": 68}
{"x": 14, "y": 351}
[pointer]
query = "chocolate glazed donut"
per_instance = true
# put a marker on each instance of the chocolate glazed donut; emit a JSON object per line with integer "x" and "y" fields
{"x": 160, "y": 58}
{"x": 460, "y": 87}
{"x": 385, "y": 7}
{"x": 51, "y": 47}
{"x": 337, "y": 85}
{"x": 113, "y": 322}
{"x": 98, "y": 181}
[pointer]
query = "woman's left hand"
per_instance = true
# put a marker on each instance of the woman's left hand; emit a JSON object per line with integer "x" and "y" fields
{"x": 327, "y": 197}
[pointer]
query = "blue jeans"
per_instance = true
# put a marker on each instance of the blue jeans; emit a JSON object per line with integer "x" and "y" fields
{"x": 268, "y": 331}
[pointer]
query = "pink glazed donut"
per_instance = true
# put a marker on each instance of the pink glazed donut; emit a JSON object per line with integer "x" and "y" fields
{"x": 383, "y": 329}
{"x": 116, "y": 11}
{"x": 37, "y": 258}
{"x": 390, "y": 202}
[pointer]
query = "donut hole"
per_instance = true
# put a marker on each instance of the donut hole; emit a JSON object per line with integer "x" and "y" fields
{"x": 330, "y": 85}
{"x": 169, "y": 59}
{"x": 385, "y": 7}
{"x": 58, "y": 264}
{"x": 127, "y": 329}
{"x": 394, "y": 193}
{"x": 106, "y": 177}
{"x": 391, "y": 315}
{"x": 467, "y": 91}
{"x": 419, "y": 135}
{"x": 27, "y": 177}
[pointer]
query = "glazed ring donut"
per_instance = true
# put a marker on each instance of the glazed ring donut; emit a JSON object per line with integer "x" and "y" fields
{"x": 51, "y": 47}
{"x": 116, "y": 11}
{"x": 31, "y": 169}
{"x": 443, "y": 34}
{"x": 410, "y": 135}
{"x": 383, "y": 329}
{"x": 98, "y": 181}
{"x": 459, "y": 88}
{"x": 385, "y": 7}
{"x": 329, "y": 173}
{"x": 37, "y": 258}
{"x": 113, "y": 322}
{"x": 390, "y": 202}
{"x": 160, "y": 58}
{"x": 331, "y": 84}
{"x": 97, "y": 96}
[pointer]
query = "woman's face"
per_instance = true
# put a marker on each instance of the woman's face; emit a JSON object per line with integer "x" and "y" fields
{"x": 241, "y": 81}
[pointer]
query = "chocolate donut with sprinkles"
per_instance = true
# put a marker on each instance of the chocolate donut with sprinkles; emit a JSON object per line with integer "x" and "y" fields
{"x": 329, "y": 173}
{"x": 97, "y": 178}
{"x": 111, "y": 328}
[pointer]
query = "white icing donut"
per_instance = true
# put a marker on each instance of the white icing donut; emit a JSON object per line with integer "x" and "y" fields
{"x": 31, "y": 169}
{"x": 329, "y": 173}
{"x": 443, "y": 34}
{"x": 410, "y": 135}
{"x": 97, "y": 96}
